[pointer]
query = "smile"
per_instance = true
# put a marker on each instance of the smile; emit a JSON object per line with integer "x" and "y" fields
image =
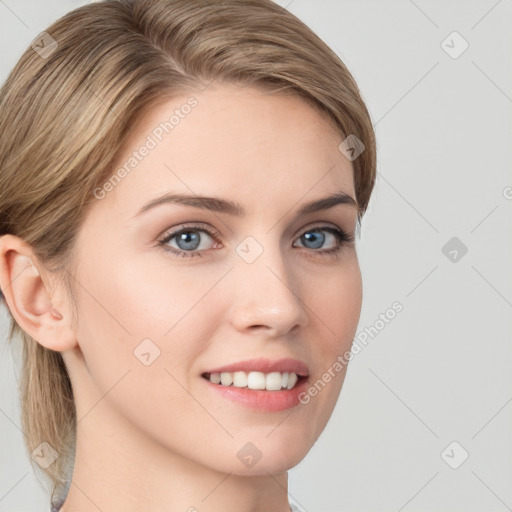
{"x": 273, "y": 381}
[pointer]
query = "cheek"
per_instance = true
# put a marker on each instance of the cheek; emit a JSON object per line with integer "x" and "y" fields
{"x": 138, "y": 299}
{"x": 336, "y": 301}
{"x": 141, "y": 329}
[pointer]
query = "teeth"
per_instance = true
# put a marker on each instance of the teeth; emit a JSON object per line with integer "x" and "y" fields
{"x": 226, "y": 378}
{"x": 215, "y": 378}
{"x": 292, "y": 380}
{"x": 273, "y": 381}
{"x": 239, "y": 379}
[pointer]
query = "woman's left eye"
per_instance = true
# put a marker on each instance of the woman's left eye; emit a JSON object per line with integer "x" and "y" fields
{"x": 189, "y": 240}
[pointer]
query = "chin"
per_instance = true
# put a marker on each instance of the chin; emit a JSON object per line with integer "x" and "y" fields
{"x": 272, "y": 463}
{"x": 263, "y": 451}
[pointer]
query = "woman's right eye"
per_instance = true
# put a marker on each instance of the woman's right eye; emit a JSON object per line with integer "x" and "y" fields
{"x": 188, "y": 241}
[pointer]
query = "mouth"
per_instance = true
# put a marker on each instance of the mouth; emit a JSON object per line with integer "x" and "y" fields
{"x": 264, "y": 385}
{"x": 272, "y": 381}
{"x": 260, "y": 374}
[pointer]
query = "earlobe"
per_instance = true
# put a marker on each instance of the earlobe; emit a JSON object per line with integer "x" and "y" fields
{"x": 29, "y": 297}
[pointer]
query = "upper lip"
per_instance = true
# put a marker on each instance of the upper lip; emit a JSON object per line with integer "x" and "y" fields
{"x": 265, "y": 366}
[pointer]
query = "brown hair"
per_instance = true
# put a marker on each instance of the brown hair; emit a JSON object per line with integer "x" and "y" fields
{"x": 68, "y": 105}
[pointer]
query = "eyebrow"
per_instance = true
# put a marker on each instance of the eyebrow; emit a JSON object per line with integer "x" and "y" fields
{"x": 218, "y": 205}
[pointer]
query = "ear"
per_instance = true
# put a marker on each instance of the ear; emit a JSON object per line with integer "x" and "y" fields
{"x": 41, "y": 311}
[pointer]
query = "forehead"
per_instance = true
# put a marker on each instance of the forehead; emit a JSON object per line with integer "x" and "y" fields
{"x": 230, "y": 141}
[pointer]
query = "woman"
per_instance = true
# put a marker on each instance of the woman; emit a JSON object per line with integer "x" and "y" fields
{"x": 181, "y": 183}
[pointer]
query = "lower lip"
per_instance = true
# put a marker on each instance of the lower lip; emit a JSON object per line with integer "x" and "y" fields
{"x": 260, "y": 399}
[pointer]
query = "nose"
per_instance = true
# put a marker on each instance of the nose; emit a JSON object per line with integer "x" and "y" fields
{"x": 268, "y": 298}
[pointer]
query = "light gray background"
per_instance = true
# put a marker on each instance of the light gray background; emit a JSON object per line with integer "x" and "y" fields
{"x": 441, "y": 370}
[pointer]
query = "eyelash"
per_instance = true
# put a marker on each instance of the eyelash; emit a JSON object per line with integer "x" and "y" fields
{"x": 342, "y": 237}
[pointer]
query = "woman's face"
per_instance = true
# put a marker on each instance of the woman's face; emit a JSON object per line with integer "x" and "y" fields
{"x": 160, "y": 310}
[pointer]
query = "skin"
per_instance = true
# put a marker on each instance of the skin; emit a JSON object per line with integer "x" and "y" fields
{"x": 156, "y": 434}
